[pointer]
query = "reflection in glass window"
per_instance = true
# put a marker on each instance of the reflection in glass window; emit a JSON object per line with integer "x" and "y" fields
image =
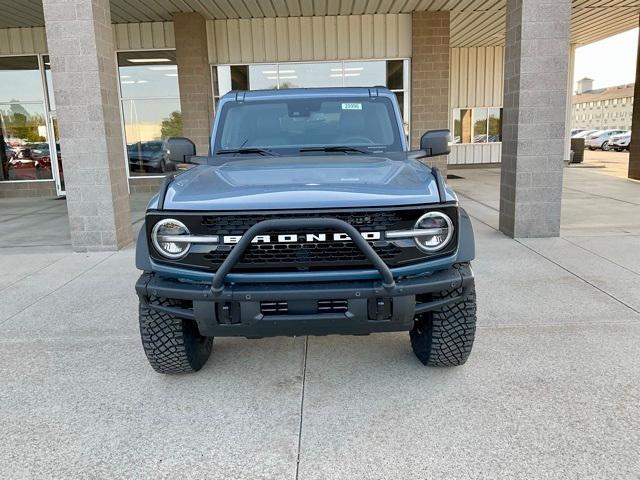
{"x": 239, "y": 77}
{"x": 495, "y": 125}
{"x": 364, "y": 74}
{"x": 20, "y": 80}
{"x": 24, "y": 147}
{"x": 462, "y": 125}
{"x": 150, "y": 108}
{"x": 309, "y": 75}
{"x": 395, "y": 78}
{"x": 263, "y": 77}
{"x": 479, "y": 125}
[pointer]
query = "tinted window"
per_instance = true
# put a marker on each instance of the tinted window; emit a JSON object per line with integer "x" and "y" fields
{"x": 291, "y": 124}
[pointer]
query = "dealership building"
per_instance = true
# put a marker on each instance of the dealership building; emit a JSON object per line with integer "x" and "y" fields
{"x": 89, "y": 89}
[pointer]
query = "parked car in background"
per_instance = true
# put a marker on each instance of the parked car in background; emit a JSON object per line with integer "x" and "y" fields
{"x": 620, "y": 142}
{"x": 601, "y": 138}
{"x": 582, "y": 133}
{"x": 149, "y": 156}
{"x": 575, "y": 131}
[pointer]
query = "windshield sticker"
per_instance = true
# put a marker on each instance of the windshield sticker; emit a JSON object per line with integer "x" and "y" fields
{"x": 351, "y": 106}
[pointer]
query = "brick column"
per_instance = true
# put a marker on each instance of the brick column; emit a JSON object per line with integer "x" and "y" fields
{"x": 194, "y": 77}
{"x": 429, "y": 77}
{"x": 634, "y": 154}
{"x": 84, "y": 73}
{"x": 535, "y": 90}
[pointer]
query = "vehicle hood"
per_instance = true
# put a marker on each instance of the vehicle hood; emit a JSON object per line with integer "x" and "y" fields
{"x": 322, "y": 181}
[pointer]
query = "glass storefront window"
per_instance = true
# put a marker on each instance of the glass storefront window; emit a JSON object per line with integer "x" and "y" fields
{"x": 462, "y": 125}
{"x": 150, "y": 108}
{"x": 24, "y": 138}
{"x": 479, "y": 125}
{"x": 368, "y": 73}
{"x": 364, "y": 74}
{"x": 24, "y": 142}
{"x": 263, "y": 77}
{"x": 495, "y": 125}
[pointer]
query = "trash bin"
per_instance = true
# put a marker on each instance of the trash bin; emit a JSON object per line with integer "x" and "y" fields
{"x": 577, "y": 146}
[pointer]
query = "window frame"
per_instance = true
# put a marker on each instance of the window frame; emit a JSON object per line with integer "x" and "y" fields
{"x": 473, "y": 118}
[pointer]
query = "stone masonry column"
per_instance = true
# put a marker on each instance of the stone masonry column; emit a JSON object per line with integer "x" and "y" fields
{"x": 194, "y": 77}
{"x": 430, "y": 78}
{"x": 533, "y": 127}
{"x": 84, "y": 72}
{"x": 634, "y": 154}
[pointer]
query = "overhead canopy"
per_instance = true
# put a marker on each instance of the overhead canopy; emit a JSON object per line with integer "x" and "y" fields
{"x": 473, "y": 22}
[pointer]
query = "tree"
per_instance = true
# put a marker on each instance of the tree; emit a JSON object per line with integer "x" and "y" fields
{"x": 172, "y": 126}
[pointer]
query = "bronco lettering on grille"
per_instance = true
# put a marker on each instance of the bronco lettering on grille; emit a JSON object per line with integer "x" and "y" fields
{"x": 306, "y": 238}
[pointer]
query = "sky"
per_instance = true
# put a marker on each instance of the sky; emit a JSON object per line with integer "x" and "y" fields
{"x": 609, "y": 62}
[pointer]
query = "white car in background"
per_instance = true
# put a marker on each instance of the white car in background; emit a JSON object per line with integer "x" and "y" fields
{"x": 620, "y": 142}
{"x": 583, "y": 133}
{"x": 600, "y": 139}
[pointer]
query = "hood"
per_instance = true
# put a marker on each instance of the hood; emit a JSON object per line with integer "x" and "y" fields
{"x": 322, "y": 181}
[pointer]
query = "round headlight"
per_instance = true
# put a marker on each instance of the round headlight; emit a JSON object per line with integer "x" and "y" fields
{"x": 438, "y": 230}
{"x": 163, "y": 238}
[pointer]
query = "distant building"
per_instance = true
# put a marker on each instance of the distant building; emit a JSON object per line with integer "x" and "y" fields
{"x": 603, "y": 108}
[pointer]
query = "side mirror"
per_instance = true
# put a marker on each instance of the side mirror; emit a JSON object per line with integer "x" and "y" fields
{"x": 179, "y": 149}
{"x": 436, "y": 142}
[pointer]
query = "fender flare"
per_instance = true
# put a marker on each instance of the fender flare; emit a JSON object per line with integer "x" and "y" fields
{"x": 142, "y": 251}
{"x": 466, "y": 239}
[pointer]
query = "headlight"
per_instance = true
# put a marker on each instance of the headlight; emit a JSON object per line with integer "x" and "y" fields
{"x": 433, "y": 231}
{"x": 164, "y": 239}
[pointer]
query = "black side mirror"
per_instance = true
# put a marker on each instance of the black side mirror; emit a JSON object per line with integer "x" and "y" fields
{"x": 180, "y": 149}
{"x": 436, "y": 142}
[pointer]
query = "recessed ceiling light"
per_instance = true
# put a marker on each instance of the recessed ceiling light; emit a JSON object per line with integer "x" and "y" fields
{"x": 147, "y": 60}
{"x": 170, "y": 74}
{"x": 287, "y": 71}
{"x": 288, "y": 76}
{"x": 127, "y": 82}
{"x": 163, "y": 67}
{"x": 269, "y": 72}
{"x": 142, "y": 81}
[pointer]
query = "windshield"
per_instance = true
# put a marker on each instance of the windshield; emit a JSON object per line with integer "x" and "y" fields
{"x": 289, "y": 125}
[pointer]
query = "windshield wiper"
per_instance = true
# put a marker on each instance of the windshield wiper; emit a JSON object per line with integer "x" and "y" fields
{"x": 260, "y": 151}
{"x": 335, "y": 148}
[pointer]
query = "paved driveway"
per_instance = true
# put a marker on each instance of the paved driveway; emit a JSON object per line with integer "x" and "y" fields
{"x": 551, "y": 389}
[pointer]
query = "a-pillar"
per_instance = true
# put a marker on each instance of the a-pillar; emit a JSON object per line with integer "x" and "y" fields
{"x": 534, "y": 116}
{"x": 83, "y": 67}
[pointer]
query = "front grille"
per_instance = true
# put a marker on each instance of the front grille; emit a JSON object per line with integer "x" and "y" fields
{"x": 302, "y": 255}
{"x": 333, "y": 306}
{"x": 281, "y": 254}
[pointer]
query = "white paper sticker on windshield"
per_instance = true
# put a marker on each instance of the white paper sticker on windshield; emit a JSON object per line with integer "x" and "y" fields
{"x": 351, "y": 106}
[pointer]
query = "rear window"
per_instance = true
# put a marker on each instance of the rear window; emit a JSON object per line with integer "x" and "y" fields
{"x": 293, "y": 124}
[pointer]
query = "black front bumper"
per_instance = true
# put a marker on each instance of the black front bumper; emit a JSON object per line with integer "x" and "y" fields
{"x": 366, "y": 306}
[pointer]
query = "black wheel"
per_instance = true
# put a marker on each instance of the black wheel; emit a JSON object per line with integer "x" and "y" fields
{"x": 591, "y": 148}
{"x": 172, "y": 345}
{"x": 444, "y": 338}
{"x": 619, "y": 149}
{"x": 162, "y": 167}
{"x": 605, "y": 146}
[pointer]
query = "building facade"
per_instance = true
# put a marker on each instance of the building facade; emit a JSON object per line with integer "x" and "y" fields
{"x": 91, "y": 89}
{"x": 603, "y": 108}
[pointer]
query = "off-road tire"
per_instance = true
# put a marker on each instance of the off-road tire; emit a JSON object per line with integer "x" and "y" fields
{"x": 172, "y": 345}
{"x": 444, "y": 338}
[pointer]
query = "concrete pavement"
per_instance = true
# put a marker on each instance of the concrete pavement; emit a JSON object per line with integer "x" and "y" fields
{"x": 550, "y": 391}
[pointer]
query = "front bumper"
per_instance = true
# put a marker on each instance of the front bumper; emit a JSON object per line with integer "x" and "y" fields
{"x": 367, "y": 306}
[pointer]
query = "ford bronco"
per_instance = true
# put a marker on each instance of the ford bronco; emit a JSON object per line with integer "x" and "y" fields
{"x": 309, "y": 216}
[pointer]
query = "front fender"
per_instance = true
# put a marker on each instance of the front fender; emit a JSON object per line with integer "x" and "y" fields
{"x": 467, "y": 245}
{"x": 142, "y": 251}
